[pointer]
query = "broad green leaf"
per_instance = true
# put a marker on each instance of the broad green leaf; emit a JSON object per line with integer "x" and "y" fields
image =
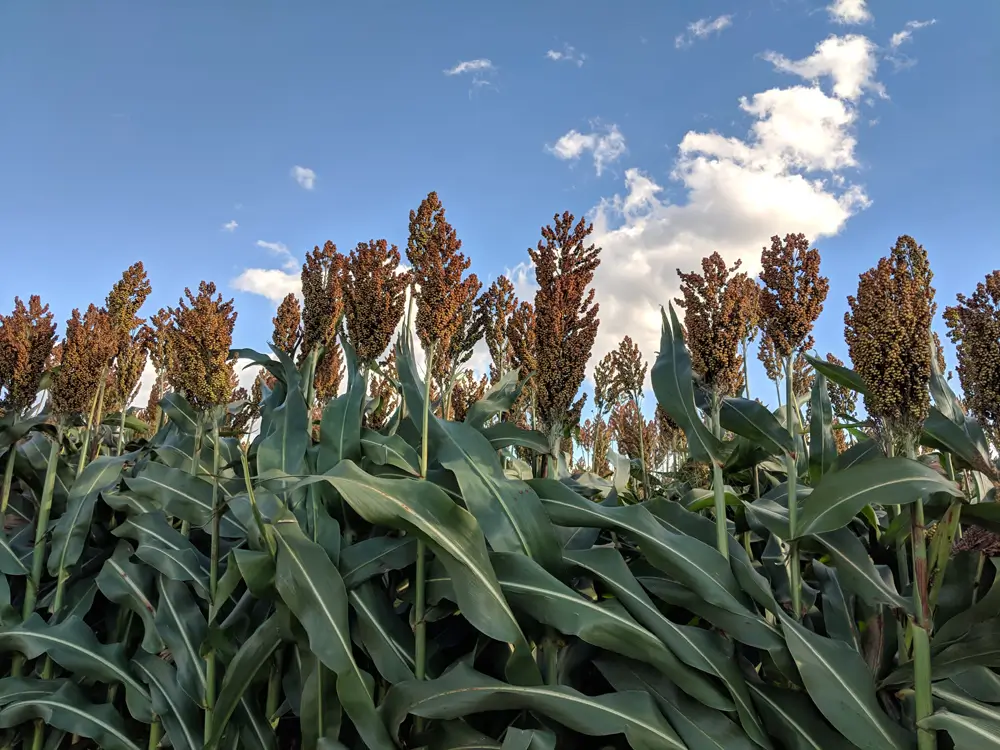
{"x": 166, "y": 550}
{"x": 822, "y": 449}
{"x": 960, "y": 702}
{"x": 843, "y": 376}
{"x": 792, "y": 719}
{"x": 320, "y": 713}
{"x": 673, "y": 384}
{"x": 128, "y": 585}
{"x": 20, "y": 688}
{"x": 838, "y": 607}
{"x": 966, "y": 732}
{"x": 454, "y": 537}
{"x": 700, "y": 727}
{"x": 181, "y": 717}
{"x": 390, "y": 450}
{"x": 691, "y": 562}
{"x": 180, "y": 413}
{"x": 858, "y": 453}
{"x": 987, "y": 607}
{"x": 73, "y": 646}
{"x": 373, "y": 557}
{"x": 68, "y": 710}
{"x": 463, "y": 691}
{"x": 310, "y": 585}
{"x": 965, "y": 440}
{"x": 605, "y": 624}
{"x": 887, "y": 481}
{"x": 839, "y": 683}
{"x": 508, "y": 511}
{"x": 698, "y": 648}
{"x": 283, "y": 447}
{"x": 982, "y": 683}
{"x": 388, "y": 641}
{"x": 257, "y": 569}
{"x": 499, "y": 398}
{"x": 528, "y": 739}
{"x": 11, "y": 561}
{"x": 755, "y": 422}
{"x": 182, "y": 496}
{"x": 251, "y": 657}
{"x": 181, "y": 624}
{"x": 340, "y": 428}
{"x": 979, "y": 648}
{"x": 505, "y": 434}
{"x": 857, "y": 572}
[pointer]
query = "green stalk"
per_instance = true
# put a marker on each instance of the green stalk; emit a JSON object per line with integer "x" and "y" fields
{"x": 213, "y": 580}
{"x": 8, "y": 478}
{"x": 95, "y": 443}
{"x": 642, "y": 450}
{"x": 85, "y": 448}
{"x": 195, "y": 467}
{"x": 921, "y": 623}
{"x": 791, "y": 472}
{"x": 419, "y": 623}
{"x": 121, "y": 434}
{"x": 721, "y": 532}
{"x": 155, "y": 733}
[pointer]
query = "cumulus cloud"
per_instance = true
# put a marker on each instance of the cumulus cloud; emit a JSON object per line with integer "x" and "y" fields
{"x": 304, "y": 176}
{"x": 849, "y": 61}
{"x": 605, "y": 147}
{"x": 791, "y": 172}
{"x": 272, "y": 283}
{"x": 567, "y": 54}
{"x": 849, "y": 11}
{"x": 230, "y": 226}
{"x": 701, "y": 29}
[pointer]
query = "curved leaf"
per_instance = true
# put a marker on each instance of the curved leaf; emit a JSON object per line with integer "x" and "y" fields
{"x": 181, "y": 624}
{"x": 179, "y": 714}
{"x": 755, "y": 422}
{"x": 967, "y": 733}
{"x": 182, "y": 496}
{"x": 463, "y": 691}
{"x": 792, "y": 718}
{"x": 887, "y": 481}
{"x": 388, "y": 641}
{"x": 390, "y": 450}
{"x": 857, "y": 572}
{"x": 843, "y": 376}
{"x": 340, "y": 435}
{"x": 822, "y": 449}
{"x": 673, "y": 384}
{"x": 126, "y": 584}
{"x": 505, "y": 434}
{"x": 499, "y": 398}
{"x": 373, "y": 557}
{"x": 166, "y": 550}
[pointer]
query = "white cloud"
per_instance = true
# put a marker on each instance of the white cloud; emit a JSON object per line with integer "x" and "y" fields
{"x": 567, "y": 54}
{"x": 849, "y": 61}
{"x": 907, "y": 33}
{"x": 281, "y": 250}
{"x": 230, "y": 226}
{"x": 304, "y": 176}
{"x": 606, "y": 148}
{"x": 849, "y": 11}
{"x": 701, "y": 29}
{"x": 272, "y": 283}
{"x": 792, "y": 172}
{"x": 470, "y": 66}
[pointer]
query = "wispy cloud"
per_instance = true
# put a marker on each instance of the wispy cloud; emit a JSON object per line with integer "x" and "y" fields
{"x": 230, "y": 226}
{"x": 470, "y": 66}
{"x": 280, "y": 249}
{"x": 849, "y": 11}
{"x": 901, "y": 37}
{"x": 606, "y": 147}
{"x": 304, "y": 176}
{"x": 701, "y": 29}
{"x": 567, "y": 54}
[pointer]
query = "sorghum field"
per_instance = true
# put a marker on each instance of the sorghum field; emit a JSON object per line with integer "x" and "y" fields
{"x": 374, "y": 549}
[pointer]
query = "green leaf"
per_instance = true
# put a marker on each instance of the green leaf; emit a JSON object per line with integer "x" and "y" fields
{"x": 251, "y": 657}
{"x": 179, "y": 714}
{"x": 505, "y": 434}
{"x": 20, "y": 688}
{"x": 388, "y": 641}
{"x": 960, "y": 702}
{"x": 696, "y": 647}
{"x": 792, "y": 719}
{"x": 452, "y": 533}
{"x": 182, "y": 496}
{"x": 166, "y": 550}
{"x": 126, "y": 584}
{"x": 673, "y": 384}
{"x": 756, "y": 423}
{"x": 340, "y": 435}
{"x": 838, "y": 607}
{"x": 858, "y": 453}
{"x": 390, "y": 450}
{"x": 373, "y": 557}
{"x": 843, "y": 376}
{"x": 311, "y": 587}
{"x": 463, "y": 691}
{"x": 508, "y": 511}
{"x": 73, "y": 646}
{"x": 11, "y": 561}
{"x": 691, "y": 562}
{"x": 857, "y": 572}
{"x": 68, "y": 710}
{"x": 179, "y": 412}
{"x": 966, "y": 732}
{"x": 822, "y": 449}
{"x": 887, "y": 481}
{"x": 605, "y": 624}
{"x": 839, "y": 683}
{"x": 283, "y": 447}
{"x": 181, "y": 624}
{"x": 320, "y": 713}
{"x": 499, "y": 398}
{"x": 965, "y": 440}
{"x": 528, "y": 739}
{"x": 700, "y": 727}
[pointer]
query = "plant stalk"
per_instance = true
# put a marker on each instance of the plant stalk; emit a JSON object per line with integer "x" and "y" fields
{"x": 119, "y": 449}
{"x": 721, "y": 532}
{"x": 95, "y": 443}
{"x": 8, "y": 478}
{"x": 420, "y": 605}
{"x": 791, "y": 472}
{"x": 210, "y": 657}
{"x": 642, "y": 449}
{"x": 195, "y": 467}
{"x": 155, "y": 733}
{"x": 85, "y": 448}
{"x": 920, "y": 625}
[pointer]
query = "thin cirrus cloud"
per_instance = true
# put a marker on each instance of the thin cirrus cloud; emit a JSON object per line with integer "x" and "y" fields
{"x": 896, "y": 56}
{"x": 702, "y": 29}
{"x": 230, "y": 226}
{"x": 304, "y": 176}
{"x": 605, "y": 147}
{"x": 849, "y": 12}
{"x": 481, "y": 65}
{"x": 567, "y": 54}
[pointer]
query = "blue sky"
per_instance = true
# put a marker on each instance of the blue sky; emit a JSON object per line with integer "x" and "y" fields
{"x": 139, "y": 130}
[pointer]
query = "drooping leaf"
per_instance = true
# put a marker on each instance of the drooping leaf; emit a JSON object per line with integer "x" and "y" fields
{"x": 181, "y": 624}
{"x": 528, "y": 739}
{"x": 390, "y": 450}
{"x": 166, "y": 550}
{"x": 179, "y": 714}
{"x": 505, "y": 434}
{"x": 463, "y": 691}
{"x": 843, "y": 376}
{"x": 755, "y": 422}
{"x": 862, "y": 451}
{"x": 388, "y": 641}
{"x": 793, "y": 719}
{"x": 838, "y": 607}
{"x": 966, "y": 732}
{"x": 182, "y": 496}
{"x": 320, "y": 713}
{"x": 673, "y": 384}
{"x": 373, "y": 557}
{"x": 887, "y": 481}
{"x": 499, "y": 398}
{"x": 839, "y": 683}
{"x": 129, "y": 585}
